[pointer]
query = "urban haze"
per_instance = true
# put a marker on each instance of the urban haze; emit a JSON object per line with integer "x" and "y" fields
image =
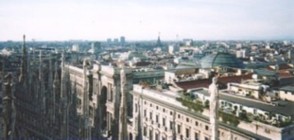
{"x": 147, "y": 70}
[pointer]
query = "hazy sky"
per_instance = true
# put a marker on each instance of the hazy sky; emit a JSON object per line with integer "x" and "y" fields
{"x": 144, "y": 19}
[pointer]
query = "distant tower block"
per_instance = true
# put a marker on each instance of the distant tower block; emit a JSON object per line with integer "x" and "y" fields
{"x": 122, "y": 41}
{"x": 213, "y": 90}
{"x": 158, "y": 44}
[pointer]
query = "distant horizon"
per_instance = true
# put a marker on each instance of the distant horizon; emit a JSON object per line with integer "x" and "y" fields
{"x": 168, "y": 40}
{"x": 151, "y": 39}
{"x": 146, "y": 19}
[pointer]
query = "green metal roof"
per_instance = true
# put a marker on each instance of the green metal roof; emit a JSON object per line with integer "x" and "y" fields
{"x": 221, "y": 59}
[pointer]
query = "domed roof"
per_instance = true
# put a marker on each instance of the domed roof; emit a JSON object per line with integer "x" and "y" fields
{"x": 221, "y": 59}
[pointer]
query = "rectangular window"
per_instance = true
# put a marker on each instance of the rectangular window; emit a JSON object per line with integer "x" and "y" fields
{"x": 196, "y": 123}
{"x": 145, "y": 131}
{"x": 145, "y": 112}
{"x": 150, "y": 115}
{"x": 206, "y": 127}
{"x": 156, "y": 136}
{"x": 170, "y": 125}
{"x": 179, "y": 128}
{"x": 150, "y": 135}
{"x": 187, "y": 132}
{"x": 163, "y": 121}
{"x": 196, "y": 135}
{"x": 157, "y": 118}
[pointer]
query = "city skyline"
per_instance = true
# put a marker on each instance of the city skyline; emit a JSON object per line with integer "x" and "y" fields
{"x": 144, "y": 20}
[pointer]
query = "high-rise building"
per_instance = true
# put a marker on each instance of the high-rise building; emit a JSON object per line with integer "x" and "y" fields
{"x": 116, "y": 41}
{"x": 122, "y": 41}
{"x": 95, "y": 47}
{"x": 109, "y": 41}
{"x": 158, "y": 43}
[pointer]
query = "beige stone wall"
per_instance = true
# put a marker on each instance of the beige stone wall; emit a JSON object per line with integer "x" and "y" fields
{"x": 287, "y": 96}
{"x": 262, "y": 129}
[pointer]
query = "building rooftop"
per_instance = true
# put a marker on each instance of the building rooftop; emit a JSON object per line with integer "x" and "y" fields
{"x": 221, "y": 59}
{"x": 205, "y": 82}
{"x": 168, "y": 98}
{"x": 281, "y": 109}
{"x": 288, "y": 88}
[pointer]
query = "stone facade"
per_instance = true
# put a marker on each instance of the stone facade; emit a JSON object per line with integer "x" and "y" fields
{"x": 101, "y": 105}
{"x": 157, "y": 115}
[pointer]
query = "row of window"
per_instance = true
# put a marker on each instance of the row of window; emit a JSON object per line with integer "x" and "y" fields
{"x": 188, "y": 120}
{"x": 164, "y": 137}
{"x": 164, "y": 119}
{"x": 180, "y": 129}
{"x": 157, "y": 134}
{"x": 158, "y": 108}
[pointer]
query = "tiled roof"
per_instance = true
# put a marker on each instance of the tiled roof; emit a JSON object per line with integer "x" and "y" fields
{"x": 284, "y": 67}
{"x": 284, "y": 74}
{"x": 140, "y": 64}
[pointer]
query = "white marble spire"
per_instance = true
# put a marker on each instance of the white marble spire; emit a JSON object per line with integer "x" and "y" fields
{"x": 56, "y": 85}
{"x": 23, "y": 74}
{"x": 86, "y": 73}
{"x": 9, "y": 111}
{"x": 214, "y": 97}
{"x": 42, "y": 84}
{"x": 63, "y": 98}
{"x": 123, "y": 135}
{"x": 62, "y": 87}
